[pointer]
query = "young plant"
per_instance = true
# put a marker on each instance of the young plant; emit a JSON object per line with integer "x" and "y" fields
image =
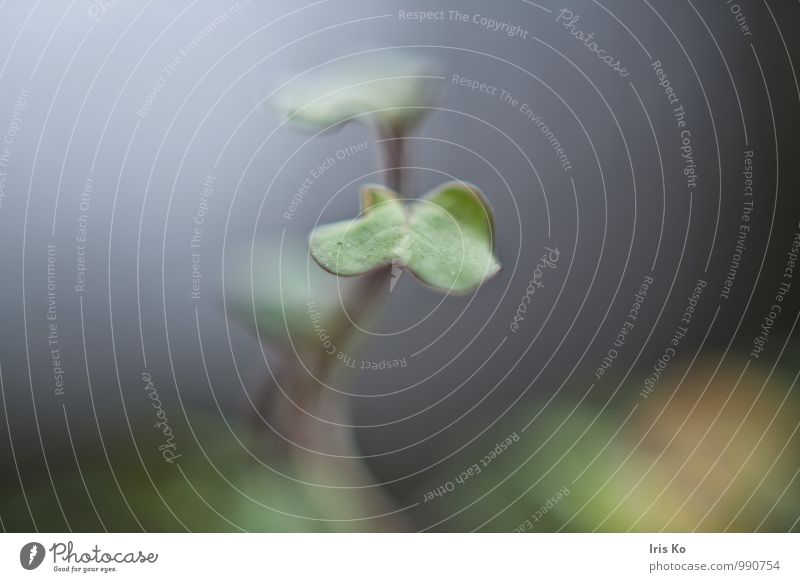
{"x": 445, "y": 239}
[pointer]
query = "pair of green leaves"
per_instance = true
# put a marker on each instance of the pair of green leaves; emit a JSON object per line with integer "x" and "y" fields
{"x": 444, "y": 239}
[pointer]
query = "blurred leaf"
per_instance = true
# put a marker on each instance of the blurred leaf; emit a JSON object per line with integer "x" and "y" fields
{"x": 707, "y": 452}
{"x": 285, "y": 290}
{"x": 390, "y": 90}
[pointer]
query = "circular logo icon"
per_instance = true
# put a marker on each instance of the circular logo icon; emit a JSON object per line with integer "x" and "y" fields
{"x": 31, "y": 555}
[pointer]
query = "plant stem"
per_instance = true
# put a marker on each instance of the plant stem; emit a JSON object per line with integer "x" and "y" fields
{"x": 342, "y": 463}
{"x": 394, "y": 156}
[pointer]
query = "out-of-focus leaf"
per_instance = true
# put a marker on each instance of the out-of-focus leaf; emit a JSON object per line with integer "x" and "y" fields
{"x": 390, "y": 90}
{"x": 287, "y": 294}
{"x": 712, "y": 453}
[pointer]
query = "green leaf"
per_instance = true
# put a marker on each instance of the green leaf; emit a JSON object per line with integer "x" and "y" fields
{"x": 445, "y": 239}
{"x": 270, "y": 285}
{"x": 393, "y": 91}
